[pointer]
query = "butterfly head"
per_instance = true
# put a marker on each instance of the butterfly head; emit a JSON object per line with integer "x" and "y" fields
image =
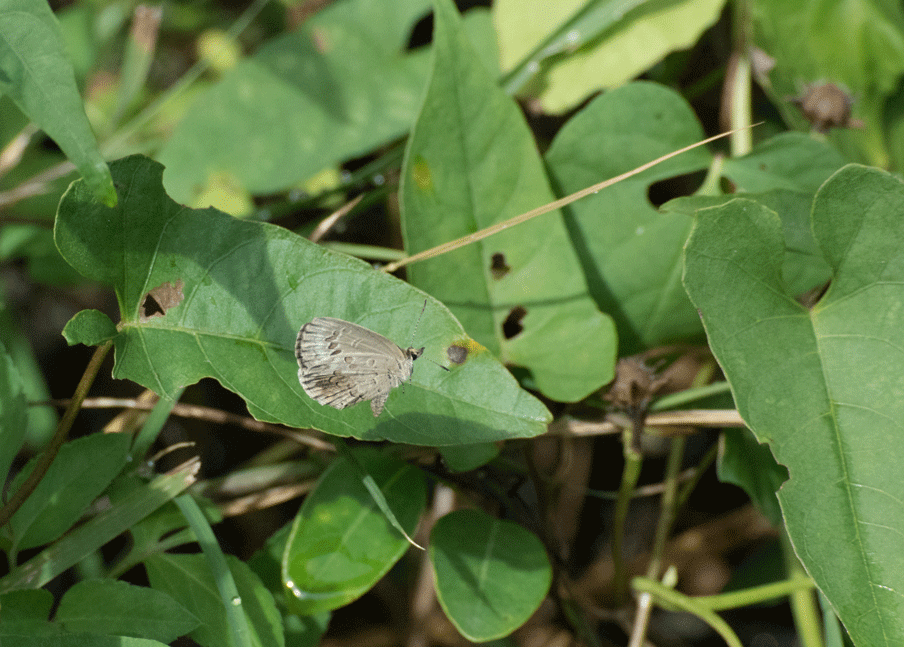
{"x": 414, "y": 353}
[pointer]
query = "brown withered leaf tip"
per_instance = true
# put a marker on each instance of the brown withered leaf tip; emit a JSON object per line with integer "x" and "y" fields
{"x": 826, "y": 106}
{"x": 635, "y": 385}
{"x": 158, "y": 301}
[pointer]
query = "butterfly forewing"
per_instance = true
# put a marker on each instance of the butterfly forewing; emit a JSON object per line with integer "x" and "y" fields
{"x": 341, "y": 363}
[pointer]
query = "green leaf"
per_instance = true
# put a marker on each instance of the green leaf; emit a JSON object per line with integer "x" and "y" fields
{"x": 34, "y": 243}
{"x": 164, "y": 528}
{"x": 248, "y": 287}
{"x": 112, "y": 607}
{"x": 804, "y": 267}
{"x": 80, "y": 472}
{"x": 491, "y": 575}
{"x": 630, "y": 253}
{"x": 471, "y": 162}
{"x": 823, "y": 386}
{"x": 792, "y": 161}
{"x": 41, "y": 421}
{"x": 78, "y": 641}
{"x": 13, "y": 417}
{"x": 336, "y": 88}
{"x": 89, "y": 327}
{"x": 464, "y": 458}
{"x": 93, "y": 534}
{"x": 749, "y": 465}
{"x": 857, "y": 45}
{"x": 341, "y": 543}
{"x": 26, "y": 613}
{"x": 188, "y": 580}
{"x": 301, "y": 631}
{"x": 612, "y": 41}
{"x": 37, "y": 75}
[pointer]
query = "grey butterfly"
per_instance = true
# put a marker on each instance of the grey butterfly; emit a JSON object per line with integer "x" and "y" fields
{"x": 341, "y": 363}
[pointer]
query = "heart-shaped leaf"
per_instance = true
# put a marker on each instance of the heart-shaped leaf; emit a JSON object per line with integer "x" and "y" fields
{"x": 823, "y": 386}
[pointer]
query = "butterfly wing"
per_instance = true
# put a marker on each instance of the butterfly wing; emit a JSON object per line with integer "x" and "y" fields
{"x": 341, "y": 363}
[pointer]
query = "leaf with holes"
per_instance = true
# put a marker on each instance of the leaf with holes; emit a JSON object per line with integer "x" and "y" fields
{"x": 471, "y": 163}
{"x": 202, "y": 294}
{"x": 822, "y": 386}
{"x": 630, "y": 253}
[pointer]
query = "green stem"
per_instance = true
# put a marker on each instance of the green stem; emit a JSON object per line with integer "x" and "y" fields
{"x": 59, "y": 437}
{"x": 686, "y": 397}
{"x": 668, "y": 507}
{"x": 807, "y": 617}
{"x": 740, "y": 82}
{"x": 757, "y": 594}
{"x": 691, "y": 605}
{"x": 630, "y": 475}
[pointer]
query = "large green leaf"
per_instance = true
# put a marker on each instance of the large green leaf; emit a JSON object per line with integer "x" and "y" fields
{"x": 113, "y": 607}
{"x": 823, "y": 386}
{"x": 80, "y": 472}
{"x": 73, "y": 640}
{"x": 91, "y": 535}
{"x": 631, "y": 254}
{"x": 248, "y": 287}
{"x": 187, "y": 579}
{"x": 339, "y": 86}
{"x": 471, "y": 162}
{"x": 491, "y": 575}
{"x": 606, "y": 42}
{"x": 37, "y": 75}
{"x": 341, "y": 543}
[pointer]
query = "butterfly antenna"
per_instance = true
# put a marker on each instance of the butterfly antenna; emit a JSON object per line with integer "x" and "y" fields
{"x": 414, "y": 334}
{"x": 418, "y": 323}
{"x": 445, "y": 368}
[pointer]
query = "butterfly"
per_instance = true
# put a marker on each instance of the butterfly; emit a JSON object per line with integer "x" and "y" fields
{"x": 341, "y": 363}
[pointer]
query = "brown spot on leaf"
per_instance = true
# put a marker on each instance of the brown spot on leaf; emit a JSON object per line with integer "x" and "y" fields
{"x": 457, "y": 354}
{"x": 159, "y": 300}
{"x": 512, "y": 327}
{"x": 498, "y": 266}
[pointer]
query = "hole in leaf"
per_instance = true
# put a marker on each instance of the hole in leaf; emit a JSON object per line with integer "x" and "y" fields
{"x": 512, "y": 327}
{"x": 159, "y": 300}
{"x": 661, "y": 192}
{"x": 498, "y": 266}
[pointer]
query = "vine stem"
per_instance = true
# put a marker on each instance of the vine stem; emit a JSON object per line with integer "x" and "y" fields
{"x": 630, "y": 475}
{"x": 59, "y": 436}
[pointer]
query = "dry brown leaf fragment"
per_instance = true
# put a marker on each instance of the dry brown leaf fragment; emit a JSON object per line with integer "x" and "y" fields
{"x": 158, "y": 301}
